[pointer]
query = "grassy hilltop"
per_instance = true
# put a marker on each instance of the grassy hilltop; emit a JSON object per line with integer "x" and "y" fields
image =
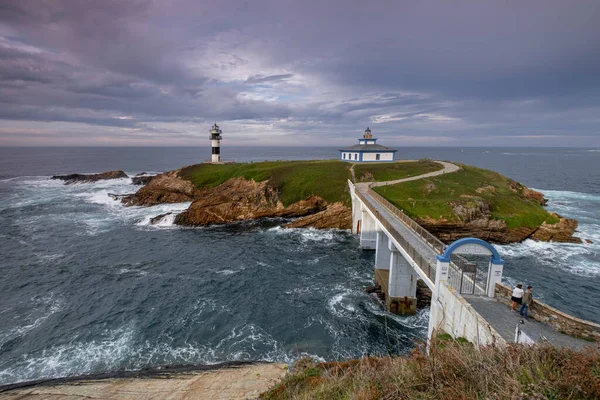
{"x": 438, "y": 198}
{"x": 297, "y": 180}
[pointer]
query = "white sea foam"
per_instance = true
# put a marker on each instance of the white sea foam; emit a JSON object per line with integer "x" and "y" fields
{"x": 72, "y": 359}
{"x": 144, "y": 215}
{"x": 340, "y": 305}
{"x": 42, "y": 307}
{"x": 227, "y": 272}
{"x": 573, "y": 258}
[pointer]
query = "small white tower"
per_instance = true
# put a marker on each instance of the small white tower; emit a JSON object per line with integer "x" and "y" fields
{"x": 215, "y": 141}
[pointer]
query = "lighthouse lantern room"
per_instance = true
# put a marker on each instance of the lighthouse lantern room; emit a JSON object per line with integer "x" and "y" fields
{"x": 215, "y": 141}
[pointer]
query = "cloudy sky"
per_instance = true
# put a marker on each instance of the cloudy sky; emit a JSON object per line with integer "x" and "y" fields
{"x": 279, "y": 72}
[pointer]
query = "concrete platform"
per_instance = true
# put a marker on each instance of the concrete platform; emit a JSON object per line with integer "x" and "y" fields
{"x": 243, "y": 382}
{"x": 504, "y": 321}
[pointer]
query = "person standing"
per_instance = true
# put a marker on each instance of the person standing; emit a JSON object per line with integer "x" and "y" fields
{"x": 517, "y": 296}
{"x": 527, "y": 301}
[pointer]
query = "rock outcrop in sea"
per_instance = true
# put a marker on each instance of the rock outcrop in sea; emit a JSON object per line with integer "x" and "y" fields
{"x": 86, "y": 178}
{"x": 164, "y": 188}
{"x": 236, "y": 200}
{"x": 239, "y": 199}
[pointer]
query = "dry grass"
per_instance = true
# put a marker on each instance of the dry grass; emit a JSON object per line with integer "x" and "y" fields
{"x": 452, "y": 371}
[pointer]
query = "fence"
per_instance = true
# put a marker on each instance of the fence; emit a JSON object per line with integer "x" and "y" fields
{"x": 431, "y": 240}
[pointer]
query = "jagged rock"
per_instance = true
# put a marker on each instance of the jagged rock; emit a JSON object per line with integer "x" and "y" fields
{"x": 117, "y": 196}
{"x": 164, "y": 188}
{"x": 559, "y": 232}
{"x": 335, "y": 215}
{"x": 141, "y": 179}
{"x": 239, "y": 199}
{"x": 372, "y": 289}
{"x": 86, "y": 178}
{"x": 158, "y": 218}
{"x": 423, "y": 294}
{"x": 496, "y": 231}
{"x": 471, "y": 208}
{"x": 534, "y": 195}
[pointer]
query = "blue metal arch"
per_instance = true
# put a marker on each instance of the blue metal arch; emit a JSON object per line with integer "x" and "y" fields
{"x": 454, "y": 245}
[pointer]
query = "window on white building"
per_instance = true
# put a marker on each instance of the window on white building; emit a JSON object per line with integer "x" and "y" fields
{"x": 377, "y": 156}
{"x": 356, "y": 156}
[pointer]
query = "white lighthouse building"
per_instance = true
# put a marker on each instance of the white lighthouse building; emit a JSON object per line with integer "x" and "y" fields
{"x": 215, "y": 141}
{"x": 367, "y": 150}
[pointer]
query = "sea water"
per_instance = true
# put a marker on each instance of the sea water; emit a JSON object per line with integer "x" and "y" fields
{"x": 89, "y": 285}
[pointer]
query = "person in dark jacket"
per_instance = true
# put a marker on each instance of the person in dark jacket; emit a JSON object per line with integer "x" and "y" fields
{"x": 527, "y": 301}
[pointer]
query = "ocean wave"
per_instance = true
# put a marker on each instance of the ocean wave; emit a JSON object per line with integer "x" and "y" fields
{"x": 573, "y": 258}
{"x": 41, "y": 308}
{"x": 308, "y": 236}
{"x": 168, "y": 221}
{"x": 73, "y": 358}
{"x": 560, "y": 195}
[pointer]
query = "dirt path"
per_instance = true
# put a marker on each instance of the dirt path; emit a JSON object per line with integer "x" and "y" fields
{"x": 448, "y": 168}
{"x": 243, "y": 382}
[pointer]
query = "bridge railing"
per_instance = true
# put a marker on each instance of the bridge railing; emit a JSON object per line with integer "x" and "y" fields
{"x": 431, "y": 240}
{"x": 425, "y": 266}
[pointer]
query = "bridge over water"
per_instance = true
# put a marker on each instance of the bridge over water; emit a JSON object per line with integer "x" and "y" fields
{"x": 464, "y": 277}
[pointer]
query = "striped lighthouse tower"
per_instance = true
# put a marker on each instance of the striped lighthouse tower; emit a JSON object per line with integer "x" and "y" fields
{"x": 215, "y": 141}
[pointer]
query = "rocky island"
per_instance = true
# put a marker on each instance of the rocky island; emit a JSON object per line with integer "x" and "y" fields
{"x": 471, "y": 202}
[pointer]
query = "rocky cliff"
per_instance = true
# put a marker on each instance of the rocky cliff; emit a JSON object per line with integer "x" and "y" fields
{"x": 239, "y": 199}
{"x": 474, "y": 220}
{"x": 86, "y": 178}
{"x": 164, "y": 188}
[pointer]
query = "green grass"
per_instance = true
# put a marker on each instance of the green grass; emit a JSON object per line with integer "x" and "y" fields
{"x": 296, "y": 180}
{"x": 381, "y": 172}
{"x": 432, "y": 197}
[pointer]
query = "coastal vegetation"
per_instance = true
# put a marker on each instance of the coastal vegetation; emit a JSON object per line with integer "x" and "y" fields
{"x": 381, "y": 172}
{"x": 295, "y": 180}
{"x": 453, "y": 370}
{"x": 463, "y": 194}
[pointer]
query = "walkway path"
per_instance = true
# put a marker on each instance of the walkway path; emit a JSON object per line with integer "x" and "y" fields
{"x": 504, "y": 321}
{"x": 448, "y": 168}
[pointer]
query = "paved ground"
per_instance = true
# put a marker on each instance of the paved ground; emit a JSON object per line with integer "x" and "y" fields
{"x": 504, "y": 321}
{"x": 245, "y": 382}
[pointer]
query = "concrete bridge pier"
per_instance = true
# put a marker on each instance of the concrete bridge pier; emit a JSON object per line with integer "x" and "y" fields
{"x": 396, "y": 277}
{"x": 402, "y": 296}
{"x": 368, "y": 231}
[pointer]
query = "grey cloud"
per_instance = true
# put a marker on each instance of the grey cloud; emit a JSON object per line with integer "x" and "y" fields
{"x": 270, "y": 78}
{"x": 311, "y": 67}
